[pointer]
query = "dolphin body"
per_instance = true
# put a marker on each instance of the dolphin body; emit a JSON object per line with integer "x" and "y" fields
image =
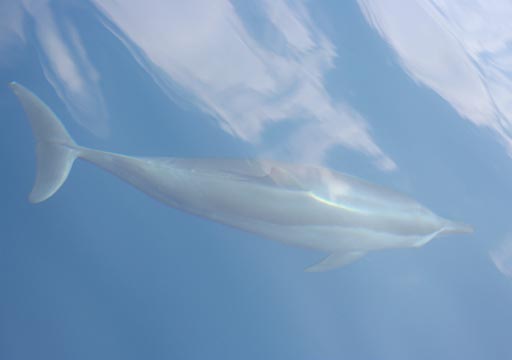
{"x": 308, "y": 206}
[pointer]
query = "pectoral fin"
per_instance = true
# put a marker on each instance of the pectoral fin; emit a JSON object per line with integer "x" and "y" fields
{"x": 336, "y": 260}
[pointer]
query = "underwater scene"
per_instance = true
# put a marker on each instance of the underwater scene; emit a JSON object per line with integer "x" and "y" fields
{"x": 262, "y": 179}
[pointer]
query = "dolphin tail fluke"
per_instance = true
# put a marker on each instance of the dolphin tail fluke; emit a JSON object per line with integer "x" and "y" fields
{"x": 55, "y": 149}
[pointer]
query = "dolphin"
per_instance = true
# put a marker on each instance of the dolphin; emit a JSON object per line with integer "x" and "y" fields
{"x": 303, "y": 205}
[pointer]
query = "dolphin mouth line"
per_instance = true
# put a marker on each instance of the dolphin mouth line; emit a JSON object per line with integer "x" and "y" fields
{"x": 457, "y": 228}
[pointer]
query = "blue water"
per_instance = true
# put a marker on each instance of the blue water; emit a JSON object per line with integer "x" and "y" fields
{"x": 100, "y": 271}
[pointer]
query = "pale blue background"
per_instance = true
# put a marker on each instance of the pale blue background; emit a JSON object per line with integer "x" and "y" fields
{"x": 100, "y": 271}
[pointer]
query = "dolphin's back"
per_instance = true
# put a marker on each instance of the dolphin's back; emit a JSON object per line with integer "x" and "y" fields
{"x": 322, "y": 183}
{"x": 291, "y": 194}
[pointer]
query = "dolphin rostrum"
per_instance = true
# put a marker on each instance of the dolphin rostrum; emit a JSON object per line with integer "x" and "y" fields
{"x": 308, "y": 206}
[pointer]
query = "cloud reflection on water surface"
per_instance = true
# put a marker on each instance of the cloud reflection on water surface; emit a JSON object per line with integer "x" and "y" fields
{"x": 247, "y": 74}
{"x": 460, "y": 49}
{"x": 244, "y": 81}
